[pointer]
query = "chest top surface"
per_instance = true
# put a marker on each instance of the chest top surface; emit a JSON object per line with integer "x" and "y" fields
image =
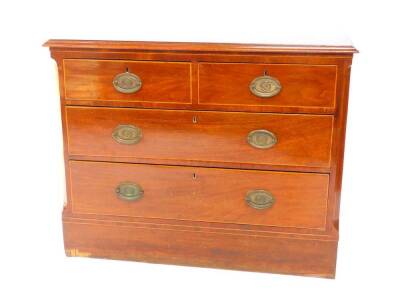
{"x": 336, "y": 48}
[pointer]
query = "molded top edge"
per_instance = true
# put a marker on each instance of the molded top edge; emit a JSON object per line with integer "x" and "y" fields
{"x": 196, "y": 47}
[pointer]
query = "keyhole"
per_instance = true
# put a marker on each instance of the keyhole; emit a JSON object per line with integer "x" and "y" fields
{"x": 194, "y": 176}
{"x": 127, "y": 70}
{"x": 194, "y": 120}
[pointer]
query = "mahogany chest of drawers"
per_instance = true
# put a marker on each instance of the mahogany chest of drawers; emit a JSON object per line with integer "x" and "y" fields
{"x": 215, "y": 155}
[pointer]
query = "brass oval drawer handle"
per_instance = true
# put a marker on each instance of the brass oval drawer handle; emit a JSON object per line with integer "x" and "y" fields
{"x": 129, "y": 191}
{"x": 262, "y": 139}
{"x": 260, "y": 199}
{"x": 265, "y": 86}
{"x": 127, "y": 83}
{"x": 127, "y": 134}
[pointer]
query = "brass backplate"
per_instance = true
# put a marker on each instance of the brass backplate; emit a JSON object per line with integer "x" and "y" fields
{"x": 129, "y": 191}
{"x": 262, "y": 139}
{"x": 260, "y": 199}
{"x": 265, "y": 86}
{"x": 127, "y": 134}
{"x": 127, "y": 83}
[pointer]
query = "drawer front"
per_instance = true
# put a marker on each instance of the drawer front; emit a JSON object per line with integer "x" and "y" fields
{"x": 200, "y": 194}
{"x": 300, "y": 140}
{"x": 291, "y": 86}
{"x": 131, "y": 81}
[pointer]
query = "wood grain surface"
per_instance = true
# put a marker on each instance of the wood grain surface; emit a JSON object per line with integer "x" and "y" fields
{"x": 205, "y": 249}
{"x": 200, "y": 194}
{"x": 303, "y": 140}
{"x": 196, "y": 47}
{"x": 161, "y": 81}
{"x": 227, "y": 84}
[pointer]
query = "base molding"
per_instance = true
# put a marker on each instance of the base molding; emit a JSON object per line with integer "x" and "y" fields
{"x": 311, "y": 257}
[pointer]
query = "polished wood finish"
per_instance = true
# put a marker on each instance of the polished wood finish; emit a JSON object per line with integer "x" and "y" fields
{"x": 93, "y": 80}
{"x": 227, "y": 84}
{"x": 200, "y": 194}
{"x": 303, "y": 140}
{"x": 197, "y": 47}
{"x": 195, "y": 58}
{"x": 298, "y": 234}
{"x": 216, "y": 249}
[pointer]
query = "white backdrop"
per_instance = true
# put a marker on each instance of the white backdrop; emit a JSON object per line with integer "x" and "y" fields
{"x": 32, "y": 261}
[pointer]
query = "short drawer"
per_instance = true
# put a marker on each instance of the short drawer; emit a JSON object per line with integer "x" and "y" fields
{"x": 130, "y": 81}
{"x": 266, "y": 198}
{"x": 175, "y": 135}
{"x": 276, "y": 87}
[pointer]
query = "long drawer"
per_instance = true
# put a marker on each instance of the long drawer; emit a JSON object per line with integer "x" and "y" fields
{"x": 266, "y": 198}
{"x": 176, "y": 136}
